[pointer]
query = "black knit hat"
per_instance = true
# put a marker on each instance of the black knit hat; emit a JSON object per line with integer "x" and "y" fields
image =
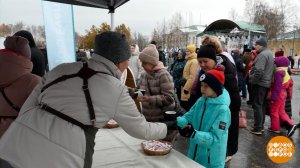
{"x": 113, "y": 46}
{"x": 207, "y": 51}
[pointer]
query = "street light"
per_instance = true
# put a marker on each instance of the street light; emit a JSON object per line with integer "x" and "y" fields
{"x": 250, "y": 21}
{"x": 295, "y": 28}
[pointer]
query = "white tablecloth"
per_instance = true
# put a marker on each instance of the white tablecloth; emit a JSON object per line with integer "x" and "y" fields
{"x": 116, "y": 149}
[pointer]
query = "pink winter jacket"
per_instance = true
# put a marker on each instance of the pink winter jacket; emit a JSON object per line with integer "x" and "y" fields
{"x": 17, "y": 81}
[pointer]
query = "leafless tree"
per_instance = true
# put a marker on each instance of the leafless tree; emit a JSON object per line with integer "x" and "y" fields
{"x": 18, "y": 26}
{"x": 168, "y": 33}
{"x": 270, "y": 18}
{"x": 233, "y": 15}
{"x": 41, "y": 32}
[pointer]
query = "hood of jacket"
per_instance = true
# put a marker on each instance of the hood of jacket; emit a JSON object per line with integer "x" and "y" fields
{"x": 12, "y": 67}
{"x": 107, "y": 67}
{"x": 191, "y": 56}
{"x": 159, "y": 66}
{"x": 222, "y": 99}
{"x": 282, "y": 61}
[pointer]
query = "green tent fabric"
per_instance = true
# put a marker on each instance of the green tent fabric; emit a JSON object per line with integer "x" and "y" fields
{"x": 246, "y": 26}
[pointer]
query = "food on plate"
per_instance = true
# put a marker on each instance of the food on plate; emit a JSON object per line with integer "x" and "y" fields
{"x": 156, "y": 147}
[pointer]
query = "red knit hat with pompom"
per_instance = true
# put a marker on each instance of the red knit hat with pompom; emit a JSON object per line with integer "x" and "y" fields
{"x": 215, "y": 79}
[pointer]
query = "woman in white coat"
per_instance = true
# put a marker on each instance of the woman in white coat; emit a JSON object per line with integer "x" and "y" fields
{"x": 57, "y": 124}
{"x": 135, "y": 63}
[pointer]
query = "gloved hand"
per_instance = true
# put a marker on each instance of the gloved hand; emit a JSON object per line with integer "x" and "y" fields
{"x": 183, "y": 81}
{"x": 186, "y": 131}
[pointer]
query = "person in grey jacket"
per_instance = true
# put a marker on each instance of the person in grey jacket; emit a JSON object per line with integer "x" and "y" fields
{"x": 57, "y": 124}
{"x": 260, "y": 77}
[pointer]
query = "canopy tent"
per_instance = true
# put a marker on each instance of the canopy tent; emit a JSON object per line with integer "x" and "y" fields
{"x": 111, "y": 5}
{"x": 226, "y": 26}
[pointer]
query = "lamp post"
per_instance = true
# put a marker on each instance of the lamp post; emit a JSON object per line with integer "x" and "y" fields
{"x": 249, "y": 5}
{"x": 293, "y": 44}
{"x": 295, "y": 28}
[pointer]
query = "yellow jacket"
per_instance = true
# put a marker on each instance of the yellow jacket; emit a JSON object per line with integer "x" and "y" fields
{"x": 189, "y": 73}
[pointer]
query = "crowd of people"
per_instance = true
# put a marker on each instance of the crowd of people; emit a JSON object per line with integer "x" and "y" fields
{"x": 62, "y": 112}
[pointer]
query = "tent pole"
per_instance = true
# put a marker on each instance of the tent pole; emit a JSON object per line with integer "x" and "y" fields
{"x": 112, "y": 21}
{"x": 112, "y": 11}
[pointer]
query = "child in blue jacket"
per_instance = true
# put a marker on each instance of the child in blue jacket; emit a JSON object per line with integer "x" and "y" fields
{"x": 207, "y": 122}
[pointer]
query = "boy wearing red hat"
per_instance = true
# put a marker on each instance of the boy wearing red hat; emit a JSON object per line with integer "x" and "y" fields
{"x": 207, "y": 122}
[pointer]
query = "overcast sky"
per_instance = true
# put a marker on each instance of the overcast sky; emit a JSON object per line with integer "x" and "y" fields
{"x": 140, "y": 15}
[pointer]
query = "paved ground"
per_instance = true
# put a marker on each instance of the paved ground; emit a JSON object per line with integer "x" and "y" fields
{"x": 252, "y": 148}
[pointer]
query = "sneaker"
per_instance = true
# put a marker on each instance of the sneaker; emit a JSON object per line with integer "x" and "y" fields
{"x": 228, "y": 158}
{"x": 274, "y": 131}
{"x": 261, "y": 130}
{"x": 291, "y": 131}
{"x": 256, "y": 131}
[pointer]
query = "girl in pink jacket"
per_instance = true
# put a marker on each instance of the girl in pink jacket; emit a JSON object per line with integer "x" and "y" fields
{"x": 282, "y": 81}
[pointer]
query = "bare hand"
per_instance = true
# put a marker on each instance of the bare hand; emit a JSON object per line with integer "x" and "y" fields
{"x": 143, "y": 98}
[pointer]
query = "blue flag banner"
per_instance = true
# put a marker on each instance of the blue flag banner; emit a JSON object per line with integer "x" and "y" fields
{"x": 59, "y": 28}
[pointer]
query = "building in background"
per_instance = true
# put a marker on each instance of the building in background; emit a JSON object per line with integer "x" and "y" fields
{"x": 235, "y": 34}
{"x": 288, "y": 42}
{"x": 191, "y": 33}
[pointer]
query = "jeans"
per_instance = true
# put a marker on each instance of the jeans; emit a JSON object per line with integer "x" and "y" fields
{"x": 259, "y": 106}
{"x": 243, "y": 88}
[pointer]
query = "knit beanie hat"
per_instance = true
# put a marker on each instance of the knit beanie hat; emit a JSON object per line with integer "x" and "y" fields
{"x": 215, "y": 79}
{"x": 183, "y": 51}
{"x": 191, "y": 48}
{"x": 150, "y": 55}
{"x": 112, "y": 46}
{"x": 19, "y": 45}
{"x": 207, "y": 51}
{"x": 279, "y": 53}
{"x": 261, "y": 42}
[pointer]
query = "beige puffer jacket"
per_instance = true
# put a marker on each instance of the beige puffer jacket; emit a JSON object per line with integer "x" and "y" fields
{"x": 189, "y": 73}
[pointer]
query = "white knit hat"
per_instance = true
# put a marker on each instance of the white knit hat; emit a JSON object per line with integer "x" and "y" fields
{"x": 150, "y": 55}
